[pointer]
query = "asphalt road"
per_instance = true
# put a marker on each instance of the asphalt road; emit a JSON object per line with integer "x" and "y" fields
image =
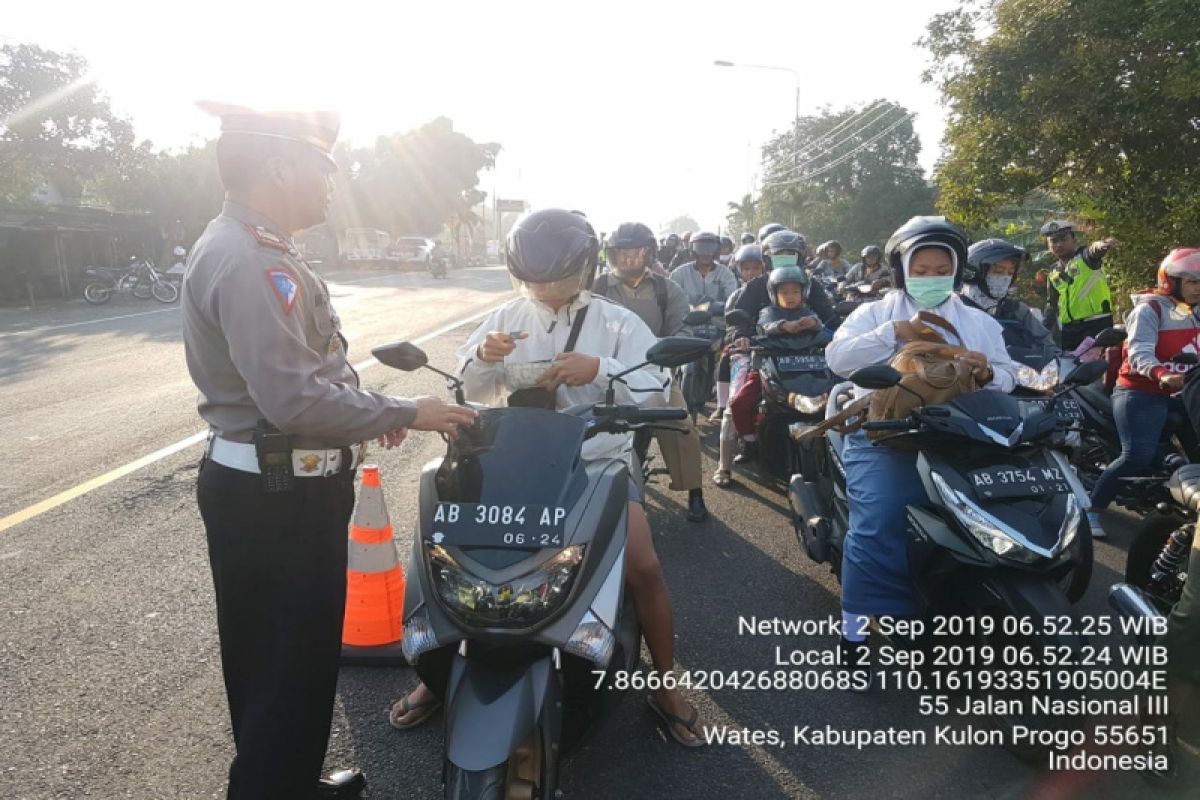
{"x": 109, "y": 671}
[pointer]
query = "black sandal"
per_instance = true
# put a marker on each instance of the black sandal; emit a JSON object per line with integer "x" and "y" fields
{"x": 670, "y": 720}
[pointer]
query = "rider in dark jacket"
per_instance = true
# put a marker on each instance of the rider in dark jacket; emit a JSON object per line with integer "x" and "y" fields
{"x": 991, "y": 272}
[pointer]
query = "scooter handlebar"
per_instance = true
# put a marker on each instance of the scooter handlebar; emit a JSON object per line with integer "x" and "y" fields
{"x": 888, "y": 425}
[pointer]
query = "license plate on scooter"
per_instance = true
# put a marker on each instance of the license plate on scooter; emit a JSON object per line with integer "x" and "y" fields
{"x": 800, "y": 363}
{"x": 996, "y": 483}
{"x": 516, "y": 527}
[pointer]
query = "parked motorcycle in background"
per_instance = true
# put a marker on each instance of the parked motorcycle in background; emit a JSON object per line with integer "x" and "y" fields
{"x": 178, "y": 265}
{"x": 140, "y": 279}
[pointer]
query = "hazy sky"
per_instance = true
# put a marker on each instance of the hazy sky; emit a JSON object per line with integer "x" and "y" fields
{"x": 612, "y": 107}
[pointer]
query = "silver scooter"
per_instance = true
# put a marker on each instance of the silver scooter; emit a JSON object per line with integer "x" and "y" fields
{"x": 515, "y": 609}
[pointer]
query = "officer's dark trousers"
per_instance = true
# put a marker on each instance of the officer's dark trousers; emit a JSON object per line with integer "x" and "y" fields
{"x": 279, "y": 570}
{"x": 1073, "y": 333}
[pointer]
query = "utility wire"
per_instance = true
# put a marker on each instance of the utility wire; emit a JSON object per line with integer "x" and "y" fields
{"x": 847, "y": 156}
{"x": 829, "y": 134}
{"x": 829, "y": 150}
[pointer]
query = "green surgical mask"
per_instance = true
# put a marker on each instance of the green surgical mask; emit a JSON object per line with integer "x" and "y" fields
{"x": 787, "y": 260}
{"x": 931, "y": 291}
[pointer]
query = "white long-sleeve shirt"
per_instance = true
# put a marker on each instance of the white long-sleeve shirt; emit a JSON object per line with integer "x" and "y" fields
{"x": 867, "y": 337}
{"x": 615, "y": 335}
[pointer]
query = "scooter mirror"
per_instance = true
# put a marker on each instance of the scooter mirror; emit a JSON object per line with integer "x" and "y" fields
{"x": 697, "y": 318}
{"x": 675, "y": 351}
{"x": 1087, "y": 373}
{"x": 879, "y": 376}
{"x": 400, "y": 355}
{"x": 1109, "y": 337}
{"x": 737, "y": 317}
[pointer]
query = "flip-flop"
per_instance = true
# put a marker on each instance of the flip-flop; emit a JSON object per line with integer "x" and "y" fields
{"x": 670, "y": 720}
{"x": 723, "y": 479}
{"x": 428, "y": 707}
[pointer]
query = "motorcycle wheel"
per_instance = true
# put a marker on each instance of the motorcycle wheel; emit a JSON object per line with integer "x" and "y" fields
{"x": 165, "y": 292}
{"x": 97, "y": 293}
{"x": 143, "y": 291}
{"x": 488, "y": 784}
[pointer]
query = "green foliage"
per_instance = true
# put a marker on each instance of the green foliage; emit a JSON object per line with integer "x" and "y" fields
{"x": 680, "y": 224}
{"x": 409, "y": 183}
{"x": 743, "y": 216}
{"x": 852, "y": 178}
{"x": 56, "y": 127}
{"x": 1097, "y": 103}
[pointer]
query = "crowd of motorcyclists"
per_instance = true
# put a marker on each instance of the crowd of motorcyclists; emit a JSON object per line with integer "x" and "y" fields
{"x": 580, "y": 329}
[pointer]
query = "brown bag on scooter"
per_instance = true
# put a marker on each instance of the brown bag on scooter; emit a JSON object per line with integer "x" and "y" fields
{"x": 931, "y": 374}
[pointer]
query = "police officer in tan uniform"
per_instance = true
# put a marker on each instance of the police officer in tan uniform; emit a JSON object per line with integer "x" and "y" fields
{"x": 287, "y": 419}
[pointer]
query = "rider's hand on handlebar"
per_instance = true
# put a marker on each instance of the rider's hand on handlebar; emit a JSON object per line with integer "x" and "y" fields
{"x": 978, "y": 363}
{"x": 1173, "y": 382}
{"x": 435, "y": 414}
{"x": 498, "y": 344}
{"x": 571, "y": 369}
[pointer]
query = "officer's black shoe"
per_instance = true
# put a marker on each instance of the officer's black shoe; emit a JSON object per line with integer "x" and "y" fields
{"x": 856, "y": 664}
{"x": 749, "y": 453}
{"x": 697, "y": 512}
{"x": 343, "y": 783}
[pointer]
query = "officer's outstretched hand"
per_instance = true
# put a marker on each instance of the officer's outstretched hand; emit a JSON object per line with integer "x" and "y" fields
{"x": 434, "y": 414}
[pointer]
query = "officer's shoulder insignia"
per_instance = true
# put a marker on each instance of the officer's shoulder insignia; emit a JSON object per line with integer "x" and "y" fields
{"x": 268, "y": 238}
{"x": 286, "y": 286}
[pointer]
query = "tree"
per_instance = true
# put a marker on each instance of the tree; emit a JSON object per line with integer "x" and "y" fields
{"x": 1096, "y": 103}
{"x": 409, "y": 183}
{"x": 853, "y": 175}
{"x": 680, "y": 224}
{"x": 56, "y": 127}
{"x": 743, "y": 216}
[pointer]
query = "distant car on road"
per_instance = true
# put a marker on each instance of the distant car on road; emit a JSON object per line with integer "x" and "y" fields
{"x": 407, "y": 250}
{"x": 364, "y": 246}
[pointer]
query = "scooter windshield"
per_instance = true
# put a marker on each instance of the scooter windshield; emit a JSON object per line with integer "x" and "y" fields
{"x": 516, "y": 455}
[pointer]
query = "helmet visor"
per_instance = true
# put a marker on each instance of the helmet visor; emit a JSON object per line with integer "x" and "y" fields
{"x": 554, "y": 293}
{"x": 629, "y": 259}
{"x": 705, "y": 248}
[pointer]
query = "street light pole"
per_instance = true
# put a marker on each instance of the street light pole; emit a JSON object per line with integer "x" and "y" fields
{"x": 796, "y": 116}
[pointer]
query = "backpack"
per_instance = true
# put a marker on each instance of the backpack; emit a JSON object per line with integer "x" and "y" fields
{"x": 603, "y": 284}
{"x": 931, "y": 375}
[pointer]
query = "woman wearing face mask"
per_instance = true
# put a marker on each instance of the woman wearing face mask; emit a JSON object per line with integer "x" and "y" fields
{"x": 992, "y": 267}
{"x": 926, "y": 256}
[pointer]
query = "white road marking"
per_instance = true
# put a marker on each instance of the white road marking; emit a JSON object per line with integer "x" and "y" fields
{"x": 28, "y": 513}
{"x": 85, "y": 322}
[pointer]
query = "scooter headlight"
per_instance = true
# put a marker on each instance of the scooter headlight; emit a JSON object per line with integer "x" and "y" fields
{"x": 810, "y": 404}
{"x": 983, "y": 527}
{"x": 1070, "y": 526}
{"x": 517, "y": 603}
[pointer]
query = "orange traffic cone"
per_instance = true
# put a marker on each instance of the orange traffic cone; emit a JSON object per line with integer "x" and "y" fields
{"x": 374, "y": 620}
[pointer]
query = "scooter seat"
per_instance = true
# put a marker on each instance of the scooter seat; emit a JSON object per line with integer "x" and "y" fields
{"x": 1184, "y": 484}
{"x": 1097, "y": 399}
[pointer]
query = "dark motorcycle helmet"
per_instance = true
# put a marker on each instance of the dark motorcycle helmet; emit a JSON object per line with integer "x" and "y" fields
{"x": 768, "y": 229}
{"x": 982, "y": 255}
{"x": 872, "y": 250}
{"x": 632, "y": 236}
{"x": 748, "y": 238}
{"x": 919, "y": 232}
{"x": 705, "y": 243}
{"x": 823, "y": 250}
{"x": 672, "y": 240}
{"x": 727, "y": 244}
{"x": 748, "y": 252}
{"x": 785, "y": 241}
{"x": 552, "y": 244}
{"x": 783, "y": 275}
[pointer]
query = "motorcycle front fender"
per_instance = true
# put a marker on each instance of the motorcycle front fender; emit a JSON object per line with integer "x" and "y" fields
{"x": 490, "y": 712}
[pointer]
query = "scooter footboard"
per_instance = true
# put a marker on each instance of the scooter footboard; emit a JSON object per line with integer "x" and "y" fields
{"x": 490, "y": 712}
